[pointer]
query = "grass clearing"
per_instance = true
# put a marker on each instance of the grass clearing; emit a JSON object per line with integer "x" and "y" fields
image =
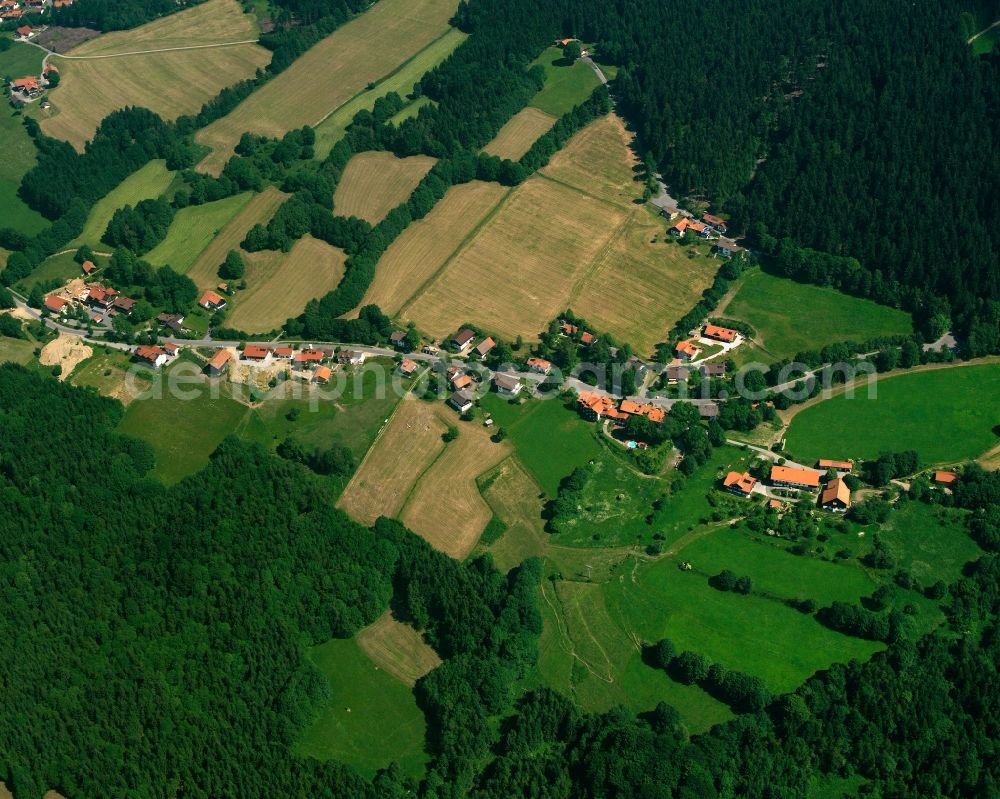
{"x": 566, "y": 85}
{"x": 146, "y": 183}
{"x": 929, "y": 541}
{"x": 367, "y": 48}
{"x": 374, "y": 183}
{"x": 21, "y": 60}
{"x": 17, "y": 350}
{"x": 424, "y": 247}
{"x": 384, "y": 480}
{"x": 19, "y": 156}
{"x": 55, "y": 270}
{"x": 792, "y": 317}
{"x": 550, "y": 439}
{"x": 516, "y": 499}
{"x": 170, "y": 83}
{"x": 943, "y": 414}
{"x": 369, "y": 720}
{"x": 520, "y": 269}
{"x": 106, "y": 372}
{"x": 193, "y": 229}
{"x": 204, "y": 271}
{"x": 445, "y": 507}
{"x": 412, "y": 109}
{"x": 277, "y": 291}
{"x": 182, "y": 432}
{"x": 515, "y": 138}
{"x": 643, "y": 283}
{"x": 402, "y": 80}
{"x": 398, "y": 649}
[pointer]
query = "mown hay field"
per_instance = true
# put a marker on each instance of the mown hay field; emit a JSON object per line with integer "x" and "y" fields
{"x": 279, "y": 287}
{"x": 146, "y": 183}
{"x": 398, "y": 649}
{"x": 367, "y": 48}
{"x": 375, "y": 183}
{"x": 212, "y": 22}
{"x": 193, "y": 230}
{"x": 170, "y": 83}
{"x": 521, "y": 268}
{"x": 426, "y": 245}
{"x": 638, "y": 288}
{"x": 402, "y": 81}
{"x": 516, "y": 500}
{"x": 405, "y": 448}
{"x": 515, "y": 138}
{"x": 445, "y": 507}
{"x": 574, "y": 236}
{"x": 205, "y": 269}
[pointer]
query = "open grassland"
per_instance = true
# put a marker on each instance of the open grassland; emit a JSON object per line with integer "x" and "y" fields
{"x": 21, "y": 60}
{"x": 113, "y": 71}
{"x": 212, "y": 22}
{"x": 182, "y": 432}
{"x": 424, "y": 247}
{"x": 368, "y": 720}
{"x": 516, "y": 500}
{"x": 751, "y": 633}
{"x": 193, "y": 229}
{"x": 946, "y": 415}
{"x": 146, "y": 183}
{"x": 53, "y": 271}
{"x": 412, "y": 109}
{"x": 550, "y": 439}
{"x": 566, "y": 85}
{"x": 367, "y": 48}
{"x": 929, "y": 541}
{"x": 375, "y": 183}
{"x": 204, "y": 270}
{"x": 445, "y": 507}
{"x": 520, "y": 269}
{"x": 598, "y": 161}
{"x": 277, "y": 291}
{"x": 401, "y": 81}
{"x": 405, "y": 449}
{"x": 643, "y": 283}
{"x": 792, "y": 317}
{"x": 19, "y": 156}
{"x": 17, "y": 350}
{"x": 106, "y": 372}
{"x": 515, "y": 138}
{"x": 398, "y": 649}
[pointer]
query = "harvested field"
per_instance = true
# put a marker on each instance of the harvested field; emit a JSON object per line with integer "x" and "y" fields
{"x": 367, "y": 48}
{"x": 398, "y": 649}
{"x": 405, "y": 448}
{"x": 446, "y": 508}
{"x": 205, "y": 270}
{"x": 516, "y": 137}
{"x": 598, "y": 161}
{"x": 171, "y": 84}
{"x": 638, "y": 288}
{"x": 61, "y": 40}
{"x": 279, "y": 288}
{"x": 427, "y": 244}
{"x": 332, "y": 129}
{"x": 66, "y": 351}
{"x": 521, "y": 268}
{"x": 375, "y": 183}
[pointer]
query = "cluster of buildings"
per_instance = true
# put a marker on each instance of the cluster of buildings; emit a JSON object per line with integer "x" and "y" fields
{"x": 462, "y": 342}
{"x": 17, "y": 9}
{"x": 103, "y": 301}
{"x": 596, "y": 406}
{"x": 834, "y": 496}
{"x": 156, "y": 355}
{"x": 571, "y": 331}
{"x": 690, "y": 350}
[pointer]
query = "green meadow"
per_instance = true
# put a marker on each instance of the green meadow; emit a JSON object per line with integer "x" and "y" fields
{"x": 53, "y": 271}
{"x": 192, "y": 231}
{"x": 369, "y": 719}
{"x": 791, "y": 317}
{"x": 19, "y": 156}
{"x": 551, "y": 440}
{"x": 566, "y": 86}
{"x": 21, "y": 60}
{"x": 17, "y": 350}
{"x": 946, "y": 415}
{"x": 146, "y": 183}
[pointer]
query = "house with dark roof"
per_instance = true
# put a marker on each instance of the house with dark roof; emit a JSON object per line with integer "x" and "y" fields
{"x": 461, "y": 401}
{"x": 462, "y": 339}
{"x": 507, "y": 384}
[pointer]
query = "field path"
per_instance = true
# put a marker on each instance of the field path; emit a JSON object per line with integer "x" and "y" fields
{"x": 147, "y": 52}
{"x": 987, "y": 29}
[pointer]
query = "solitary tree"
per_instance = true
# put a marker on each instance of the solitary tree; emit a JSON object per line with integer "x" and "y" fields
{"x": 232, "y": 268}
{"x": 35, "y": 297}
{"x": 572, "y": 51}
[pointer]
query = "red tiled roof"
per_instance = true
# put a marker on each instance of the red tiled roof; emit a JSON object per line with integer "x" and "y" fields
{"x": 323, "y": 374}
{"x": 220, "y": 359}
{"x": 485, "y": 346}
{"x": 283, "y": 352}
{"x": 30, "y": 82}
{"x": 836, "y": 490}
{"x": 256, "y": 351}
{"x": 687, "y": 348}
{"x": 210, "y": 298}
{"x": 721, "y": 333}
{"x": 309, "y": 356}
{"x": 825, "y": 463}
{"x": 743, "y": 482}
{"x": 945, "y": 478}
{"x": 408, "y": 367}
{"x": 461, "y": 381}
{"x": 54, "y": 303}
{"x": 149, "y": 353}
{"x": 539, "y": 363}
{"x": 801, "y": 477}
{"x": 88, "y": 267}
